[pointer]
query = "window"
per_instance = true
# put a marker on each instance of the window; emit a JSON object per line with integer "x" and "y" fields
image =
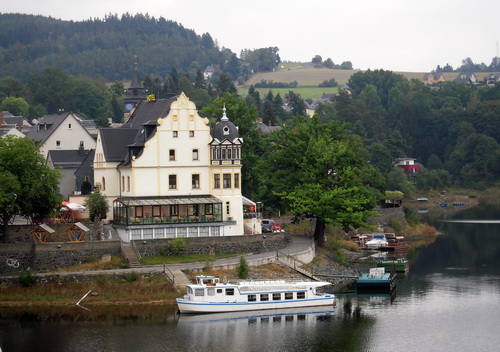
{"x": 195, "y": 181}
{"x": 172, "y": 181}
{"x": 58, "y": 144}
{"x": 229, "y": 153}
{"x": 288, "y": 295}
{"x": 228, "y": 208}
{"x": 128, "y": 183}
{"x": 226, "y": 180}
{"x": 236, "y": 180}
{"x": 252, "y": 298}
{"x": 123, "y": 183}
{"x": 229, "y": 291}
{"x": 276, "y": 296}
{"x": 224, "y": 153}
{"x": 301, "y": 295}
{"x": 82, "y": 144}
{"x": 191, "y": 133}
{"x": 210, "y": 291}
{"x": 175, "y": 134}
{"x": 174, "y": 210}
{"x": 138, "y": 212}
{"x": 195, "y": 154}
{"x": 171, "y": 154}
{"x": 199, "y": 292}
{"x": 103, "y": 184}
{"x": 216, "y": 181}
{"x": 264, "y": 297}
{"x": 156, "y": 210}
{"x": 209, "y": 209}
{"x": 69, "y": 126}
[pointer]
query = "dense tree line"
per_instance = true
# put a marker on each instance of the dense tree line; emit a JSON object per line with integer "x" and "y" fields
{"x": 109, "y": 47}
{"x": 52, "y": 90}
{"x": 469, "y": 66}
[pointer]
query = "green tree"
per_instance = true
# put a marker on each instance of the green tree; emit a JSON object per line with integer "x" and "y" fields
{"x": 28, "y": 187}
{"x": 225, "y": 85}
{"x": 16, "y": 106}
{"x": 97, "y": 205}
{"x": 317, "y": 171}
{"x": 242, "y": 268}
{"x": 398, "y": 181}
{"x": 317, "y": 61}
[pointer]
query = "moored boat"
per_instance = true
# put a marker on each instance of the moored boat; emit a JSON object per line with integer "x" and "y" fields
{"x": 399, "y": 265}
{"x": 209, "y": 295}
{"x": 377, "y": 242}
{"x": 376, "y": 281}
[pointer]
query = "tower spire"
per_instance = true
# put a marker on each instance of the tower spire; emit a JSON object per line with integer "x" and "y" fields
{"x": 224, "y": 116}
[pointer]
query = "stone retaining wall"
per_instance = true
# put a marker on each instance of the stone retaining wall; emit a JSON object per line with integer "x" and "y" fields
{"x": 207, "y": 245}
{"x": 55, "y": 255}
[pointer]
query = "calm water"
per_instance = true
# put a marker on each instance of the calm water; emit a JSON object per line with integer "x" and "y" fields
{"x": 449, "y": 302}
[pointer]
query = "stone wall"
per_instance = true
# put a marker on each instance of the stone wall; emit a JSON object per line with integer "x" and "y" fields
{"x": 207, "y": 245}
{"x": 52, "y": 256}
{"x": 55, "y": 255}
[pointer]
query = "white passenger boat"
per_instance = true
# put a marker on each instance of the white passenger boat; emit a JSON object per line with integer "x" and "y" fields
{"x": 378, "y": 241}
{"x": 209, "y": 295}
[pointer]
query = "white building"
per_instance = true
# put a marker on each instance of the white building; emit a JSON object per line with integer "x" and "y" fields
{"x": 167, "y": 174}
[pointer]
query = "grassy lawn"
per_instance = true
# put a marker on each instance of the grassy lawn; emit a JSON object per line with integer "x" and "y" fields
{"x": 188, "y": 258}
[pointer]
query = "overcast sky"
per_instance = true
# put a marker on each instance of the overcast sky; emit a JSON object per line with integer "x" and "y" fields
{"x": 398, "y": 35}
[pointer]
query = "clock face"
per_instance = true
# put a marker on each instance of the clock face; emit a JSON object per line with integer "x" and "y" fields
{"x": 128, "y": 107}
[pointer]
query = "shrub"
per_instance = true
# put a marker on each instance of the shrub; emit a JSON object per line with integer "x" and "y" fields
{"x": 131, "y": 277}
{"x": 242, "y": 269}
{"x": 90, "y": 259}
{"x": 178, "y": 245}
{"x": 412, "y": 216}
{"x": 396, "y": 225}
{"x": 27, "y": 277}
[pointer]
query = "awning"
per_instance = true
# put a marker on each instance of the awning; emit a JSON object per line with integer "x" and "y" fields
{"x": 137, "y": 201}
{"x": 73, "y": 206}
{"x": 247, "y": 201}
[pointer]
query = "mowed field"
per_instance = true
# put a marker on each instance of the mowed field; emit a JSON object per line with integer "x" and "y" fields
{"x": 309, "y": 77}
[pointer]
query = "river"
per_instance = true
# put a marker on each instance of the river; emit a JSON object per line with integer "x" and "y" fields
{"x": 450, "y": 301}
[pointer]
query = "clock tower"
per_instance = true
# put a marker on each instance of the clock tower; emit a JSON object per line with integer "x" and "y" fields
{"x": 134, "y": 93}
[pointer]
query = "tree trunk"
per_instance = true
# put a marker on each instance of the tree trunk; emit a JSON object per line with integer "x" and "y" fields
{"x": 319, "y": 232}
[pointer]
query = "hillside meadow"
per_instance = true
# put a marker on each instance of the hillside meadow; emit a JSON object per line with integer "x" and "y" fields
{"x": 309, "y": 78}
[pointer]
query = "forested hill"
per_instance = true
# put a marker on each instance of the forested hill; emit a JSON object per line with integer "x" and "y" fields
{"x": 102, "y": 47}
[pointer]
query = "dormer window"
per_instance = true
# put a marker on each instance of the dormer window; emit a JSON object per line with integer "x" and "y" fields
{"x": 225, "y": 130}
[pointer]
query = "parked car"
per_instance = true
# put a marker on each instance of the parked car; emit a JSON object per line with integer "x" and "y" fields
{"x": 267, "y": 225}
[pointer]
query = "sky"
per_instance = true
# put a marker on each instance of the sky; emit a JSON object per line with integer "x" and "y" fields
{"x": 396, "y": 35}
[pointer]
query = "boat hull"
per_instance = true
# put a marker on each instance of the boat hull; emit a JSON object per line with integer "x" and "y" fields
{"x": 193, "y": 307}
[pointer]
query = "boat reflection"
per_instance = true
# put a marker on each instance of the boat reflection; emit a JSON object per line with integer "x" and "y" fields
{"x": 310, "y": 314}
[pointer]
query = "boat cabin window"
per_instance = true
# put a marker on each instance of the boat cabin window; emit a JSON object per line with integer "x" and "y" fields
{"x": 210, "y": 291}
{"x": 219, "y": 290}
{"x": 264, "y": 297}
{"x": 199, "y": 292}
{"x": 288, "y": 295}
{"x": 252, "y": 298}
{"x": 229, "y": 291}
{"x": 276, "y": 296}
{"x": 301, "y": 295}
{"x": 189, "y": 290}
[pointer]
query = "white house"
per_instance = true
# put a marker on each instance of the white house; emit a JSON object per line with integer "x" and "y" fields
{"x": 167, "y": 174}
{"x": 61, "y": 131}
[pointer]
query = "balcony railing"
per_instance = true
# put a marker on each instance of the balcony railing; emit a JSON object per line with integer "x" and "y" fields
{"x": 159, "y": 220}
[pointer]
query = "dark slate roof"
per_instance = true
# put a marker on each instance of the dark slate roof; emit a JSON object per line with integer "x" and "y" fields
{"x": 13, "y": 120}
{"x": 115, "y": 141}
{"x": 46, "y": 126}
{"x": 464, "y": 77}
{"x": 225, "y": 130}
{"x": 136, "y": 81}
{"x": 148, "y": 111}
{"x": 68, "y": 159}
{"x": 262, "y": 127}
